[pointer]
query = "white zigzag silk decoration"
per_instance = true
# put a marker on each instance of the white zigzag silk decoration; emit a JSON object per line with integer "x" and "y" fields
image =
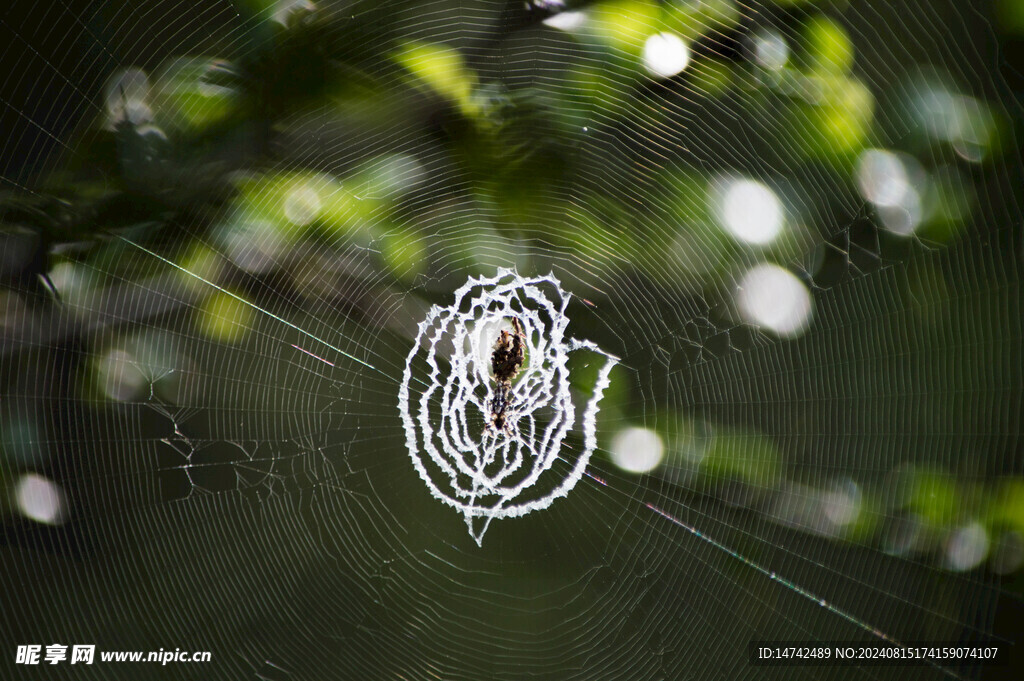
{"x": 482, "y": 471}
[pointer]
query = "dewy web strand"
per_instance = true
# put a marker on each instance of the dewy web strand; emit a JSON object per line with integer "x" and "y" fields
{"x": 255, "y": 307}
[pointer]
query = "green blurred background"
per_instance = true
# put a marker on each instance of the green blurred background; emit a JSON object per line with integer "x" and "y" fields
{"x": 797, "y": 223}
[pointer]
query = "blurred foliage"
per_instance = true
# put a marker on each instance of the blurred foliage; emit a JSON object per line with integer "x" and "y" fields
{"x": 352, "y": 132}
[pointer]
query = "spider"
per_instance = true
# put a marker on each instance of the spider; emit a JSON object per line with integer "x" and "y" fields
{"x": 506, "y": 361}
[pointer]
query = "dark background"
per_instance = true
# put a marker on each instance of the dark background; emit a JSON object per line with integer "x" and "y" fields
{"x": 223, "y": 492}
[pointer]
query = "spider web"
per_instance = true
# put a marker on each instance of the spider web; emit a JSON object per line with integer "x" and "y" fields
{"x": 794, "y": 226}
{"x": 469, "y": 462}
